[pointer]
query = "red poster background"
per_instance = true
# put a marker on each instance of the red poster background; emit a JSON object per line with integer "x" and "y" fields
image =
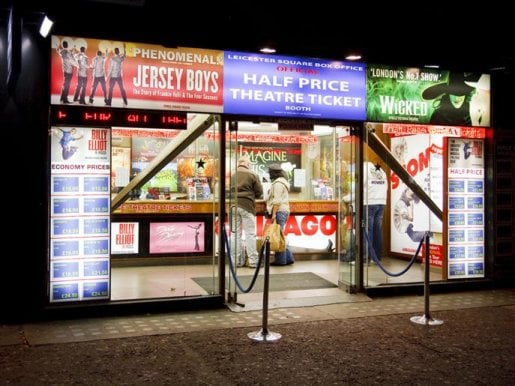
{"x": 154, "y": 77}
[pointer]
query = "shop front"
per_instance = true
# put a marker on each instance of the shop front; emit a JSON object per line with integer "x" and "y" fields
{"x": 140, "y": 178}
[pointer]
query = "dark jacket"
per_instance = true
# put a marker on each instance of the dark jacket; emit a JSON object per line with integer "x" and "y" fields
{"x": 249, "y": 188}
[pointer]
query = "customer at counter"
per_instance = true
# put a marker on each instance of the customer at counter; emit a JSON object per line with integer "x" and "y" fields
{"x": 248, "y": 189}
{"x": 279, "y": 207}
{"x": 375, "y": 183}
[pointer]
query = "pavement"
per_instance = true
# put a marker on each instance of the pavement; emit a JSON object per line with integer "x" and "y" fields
{"x": 467, "y": 338}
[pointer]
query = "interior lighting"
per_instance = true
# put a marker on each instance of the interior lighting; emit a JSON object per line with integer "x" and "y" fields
{"x": 268, "y": 50}
{"x": 353, "y": 57}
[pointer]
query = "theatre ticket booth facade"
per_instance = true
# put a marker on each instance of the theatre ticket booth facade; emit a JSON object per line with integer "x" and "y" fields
{"x": 139, "y": 191}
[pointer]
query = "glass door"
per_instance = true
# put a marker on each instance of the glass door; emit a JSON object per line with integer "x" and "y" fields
{"x": 349, "y": 245}
{"x": 397, "y": 215}
{"x": 235, "y": 259}
{"x": 306, "y": 154}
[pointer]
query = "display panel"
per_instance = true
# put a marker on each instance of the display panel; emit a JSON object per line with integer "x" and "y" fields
{"x": 466, "y": 218}
{"x": 306, "y": 233}
{"x": 288, "y": 87}
{"x": 79, "y": 214}
{"x": 177, "y": 237}
{"x": 421, "y": 155}
{"x": 427, "y": 96}
{"x": 124, "y": 238}
{"x": 262, "y": 155}
{"x": 140, "y": 75}
{"x": 106, "y": 116}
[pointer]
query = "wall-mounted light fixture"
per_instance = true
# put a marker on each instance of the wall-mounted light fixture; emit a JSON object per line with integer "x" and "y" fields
{"x": 46, "y": 26}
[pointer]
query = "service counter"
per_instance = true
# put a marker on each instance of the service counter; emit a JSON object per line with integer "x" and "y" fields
{"x": 186, "y": 229}
{"x": 172, "y": 207}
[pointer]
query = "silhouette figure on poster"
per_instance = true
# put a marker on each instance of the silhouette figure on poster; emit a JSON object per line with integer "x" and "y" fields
{"x": 197, "y": 233}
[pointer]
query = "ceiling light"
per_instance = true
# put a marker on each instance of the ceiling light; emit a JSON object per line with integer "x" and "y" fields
{"x": 268, "y": 50}
{"x": 46, "y": 26}
{"x": 353, "y": 57}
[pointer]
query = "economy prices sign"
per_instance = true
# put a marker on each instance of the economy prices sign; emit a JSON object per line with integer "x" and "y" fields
{"x": 293, "y": 87}
{"x": 427, "y": 96}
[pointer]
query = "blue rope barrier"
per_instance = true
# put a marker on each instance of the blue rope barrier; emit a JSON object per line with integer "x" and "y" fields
{"x": 231, "y": 264}
{"x": 380, "y": 265}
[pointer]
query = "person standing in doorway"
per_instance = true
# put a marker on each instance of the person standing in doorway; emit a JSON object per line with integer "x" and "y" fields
{"x": 375, "y": 184}
{"x": 115, "y": 75}
{"x": 99, "y": 76}
{"x": 248, "y": 188}
{"x": 278, "y": 206}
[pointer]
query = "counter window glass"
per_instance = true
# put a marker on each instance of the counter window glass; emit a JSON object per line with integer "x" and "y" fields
{"x": 307, "y": 156}
{"x": 189, "y": 175}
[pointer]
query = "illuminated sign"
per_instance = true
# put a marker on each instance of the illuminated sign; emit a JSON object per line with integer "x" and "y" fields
{"x": 105, "y": 116}
{"x": 293, "y": 87}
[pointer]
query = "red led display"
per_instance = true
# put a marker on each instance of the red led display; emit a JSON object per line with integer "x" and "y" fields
{"x": 102, "y": 116}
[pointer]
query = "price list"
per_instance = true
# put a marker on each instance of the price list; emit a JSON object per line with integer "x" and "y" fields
{"x": 466, "y": 209}
{"x": 79, "y": 214}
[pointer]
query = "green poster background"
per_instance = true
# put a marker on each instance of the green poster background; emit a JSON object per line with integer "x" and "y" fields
{"x": 394, "y": 94}
{"x": 427, "y": 96}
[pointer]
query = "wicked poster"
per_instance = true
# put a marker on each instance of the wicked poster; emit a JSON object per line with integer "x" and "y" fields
{"x": 427, "y": 96}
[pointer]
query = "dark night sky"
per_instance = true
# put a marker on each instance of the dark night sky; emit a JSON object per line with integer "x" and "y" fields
{"x": 410, "y": 34}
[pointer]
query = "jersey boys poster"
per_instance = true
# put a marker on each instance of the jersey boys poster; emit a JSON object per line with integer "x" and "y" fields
{"x": 119, "y": 74}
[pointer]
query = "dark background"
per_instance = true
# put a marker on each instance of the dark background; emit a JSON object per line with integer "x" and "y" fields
{"x": 468, "y": 38}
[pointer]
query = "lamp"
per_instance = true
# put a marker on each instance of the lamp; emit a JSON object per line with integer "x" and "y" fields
{"x": 46, "y": 26}
{"x": 268, "y": 50}
{"x": 353, "y": 57}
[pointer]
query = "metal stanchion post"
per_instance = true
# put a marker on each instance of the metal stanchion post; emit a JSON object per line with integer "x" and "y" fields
{"x": 264, "y": 335}
{"x": 426, "y": 318}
